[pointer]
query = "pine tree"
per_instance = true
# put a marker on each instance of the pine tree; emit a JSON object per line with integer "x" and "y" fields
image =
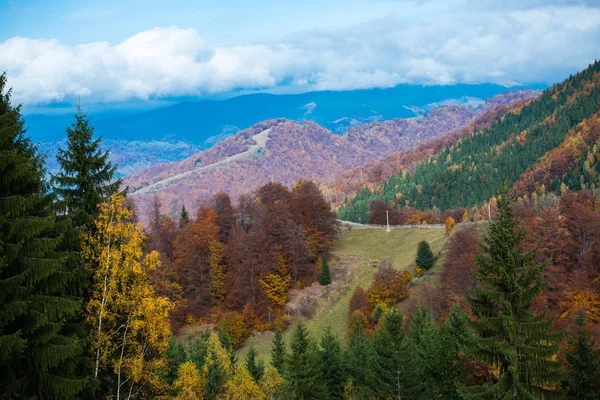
{"x": 278, "y": 353}
{"x": 36, "y": 358}
{"x": 394, "y": 370}
{"x": 425, "y": 258}
{"x": 302, "y": 367}
{"x": 358, "y": 358}
{"x": 256, "y": 368}
{"x": 174, "y": 356}
{"x": 583, "y": 364}
{"x": 425, "y": 337}
{"x": 331, "y": 360}
{"x": 198, "y": 350}
{"x": 214, "y": 375}
{"x": 510, "y": 336}
{"x": 325, "y": 278}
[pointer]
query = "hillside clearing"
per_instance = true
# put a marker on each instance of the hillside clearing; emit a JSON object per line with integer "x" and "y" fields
{"x": 353, "y": 261}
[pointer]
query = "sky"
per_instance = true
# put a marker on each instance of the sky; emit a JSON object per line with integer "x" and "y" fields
{"x": 112, "y": 52}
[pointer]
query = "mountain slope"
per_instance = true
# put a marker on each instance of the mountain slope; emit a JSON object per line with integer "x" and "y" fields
{"x": 290, "y": 151}
{"x": 470, "y": 172}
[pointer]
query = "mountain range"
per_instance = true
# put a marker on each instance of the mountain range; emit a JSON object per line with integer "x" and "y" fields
{"x": 285, "y": 150}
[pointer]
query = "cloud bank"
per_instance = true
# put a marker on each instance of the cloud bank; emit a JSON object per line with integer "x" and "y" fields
{"x": 521, "y": 45}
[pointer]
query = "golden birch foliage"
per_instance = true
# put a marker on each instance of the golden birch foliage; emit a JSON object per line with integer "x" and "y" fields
{"x": 128, "y": 322}
{"x": 189, "y": 384}
{"x": 272, "y": 384}
{"x": 586, "y": 300}
{"x": 241, "y": 387}
{"x": 276, "y": 284}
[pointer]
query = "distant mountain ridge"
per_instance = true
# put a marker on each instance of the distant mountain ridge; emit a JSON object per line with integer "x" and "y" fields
{"x": 291, "y": 151}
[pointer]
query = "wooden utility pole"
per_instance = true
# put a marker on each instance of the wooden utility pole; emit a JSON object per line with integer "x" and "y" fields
{"x": 387, "y": 216}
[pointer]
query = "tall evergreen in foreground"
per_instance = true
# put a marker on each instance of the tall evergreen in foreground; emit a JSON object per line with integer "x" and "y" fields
{"x": 278, "y": 351}
{"x": 510, "y": 336}
{"x": 86, "y": 176}
{"x": 36, "y": 359}
{"x": 302, "y": 367}
{"x": 330, "y": 356}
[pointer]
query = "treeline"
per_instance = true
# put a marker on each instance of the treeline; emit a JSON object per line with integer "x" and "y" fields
{"x": 234, "y": 264}
{"x": 471, "y": 172}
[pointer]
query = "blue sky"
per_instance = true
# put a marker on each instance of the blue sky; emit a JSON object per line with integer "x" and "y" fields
{"x": 118, "y": 51}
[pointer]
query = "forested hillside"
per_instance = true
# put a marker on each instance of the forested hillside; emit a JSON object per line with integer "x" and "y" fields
{"x": 470, "y": 172}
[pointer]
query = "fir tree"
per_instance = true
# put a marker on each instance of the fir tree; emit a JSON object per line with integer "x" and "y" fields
{"x": 278, "y": 353}
{"x": 425, "y": 258}
{"x": 37, "y": 358}
{"x": 256, "y": 368}
{"x": 325, "y": 278}
{"x": 226, "y": 343}
{"x": 214, "y": 374}
{"x": 510, "y": 336}
{"x": 86, "y": 175}
{"x": 331, "y": 360}
{"x": 393, "y": 364}
{"x": 358, "y": 358}
{"x": 583, "y": 364}
{"x": 183, "y": 217}
{"x": 198, "y": 349}
{"x": 302, "y": 367}
{"x": 426, "y": 339}
{"x": 174, "y": 356}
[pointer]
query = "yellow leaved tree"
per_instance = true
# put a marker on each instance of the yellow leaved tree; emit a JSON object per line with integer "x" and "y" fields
{"x": 272, "y": 384}
{"x": 189, "y": 384}
{"x": 241, "y": 387}
{"x": 129, "y": 324}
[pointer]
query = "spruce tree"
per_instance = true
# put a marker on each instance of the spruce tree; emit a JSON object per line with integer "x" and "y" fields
{"x": 358, "y": 359}
{"x": 394, "y": 370}
{"x": 86, "y": 176}
{"x": 511, "y": 337}
{"x": 183, "y": 217}
{"x": 37, "y": 360}
{"x": 278, "y": 353}
{"x": 583, "y": 364}
{"x": 425, "y": 337}
{"x": 425, "y": 258}
{"x": 256, "y": 368}
{"x": 325, "y": 278}
{"x": 302, "y": 367}
{"x": 215, "y": 375}
{"x": 331, "y": 360}
{"x": 174, "y": 356}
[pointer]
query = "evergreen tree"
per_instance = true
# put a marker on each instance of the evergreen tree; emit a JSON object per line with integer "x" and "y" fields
{"x": 215, "y": 375}
{"x": 174, "y": 356}
{"x": 37, "y": 358}
{"x": 510, "y": 336}
{"x": 226, "y": 343}
{"x": 198, "y": 349}
{"x": 583, "y": 364}
{"x": 86, "y": 175}
{"x": 428, "y": 347}
{"x": 425, "y": 258}
{"x": 302, "y": 367}
{"x": 456, "y": 339}
{"x": 358, "y": 359}
{"x": 325, "y": 278}
{"x": 278, "y": 353}
{"x": 394, "y": 370}
{"x": 330, "y": 356}
{"x": 255, "y": 367}
{"x": 183, "y": 217}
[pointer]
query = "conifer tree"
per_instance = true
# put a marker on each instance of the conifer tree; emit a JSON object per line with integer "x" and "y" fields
{"x": 256, "y": 368}
{"x": 331, "y": 360}
{"x": 427, "y": 344}
{"x": 425, "y": 258}
{"x": 174, "y": 356}
{"x": 325, "y": 277}
{"x": 37, "y": 359}
{"x": 278, "y": 353}
{"x": 510, "y": 336}
{"x": 86, "y": 176}
{"x": 183, "y": 217}
{"x": 583, "y": 364}
{"x": 302, "y": 367}
{"x": 214, "y": 374}
{"x": 358, "y": 358}
{"x": 394, "y": 370}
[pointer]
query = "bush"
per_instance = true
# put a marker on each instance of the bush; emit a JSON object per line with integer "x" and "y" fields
{"x": 389, "y": 285}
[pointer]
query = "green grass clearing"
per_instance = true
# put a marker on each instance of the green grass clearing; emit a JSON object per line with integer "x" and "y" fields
{"x": 354, "y": 260}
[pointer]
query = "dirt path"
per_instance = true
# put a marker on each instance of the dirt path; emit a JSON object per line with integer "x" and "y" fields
{"x": 260, "y": 140}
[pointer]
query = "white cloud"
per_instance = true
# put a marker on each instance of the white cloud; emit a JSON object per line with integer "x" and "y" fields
{"x": 530, "y": 44}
